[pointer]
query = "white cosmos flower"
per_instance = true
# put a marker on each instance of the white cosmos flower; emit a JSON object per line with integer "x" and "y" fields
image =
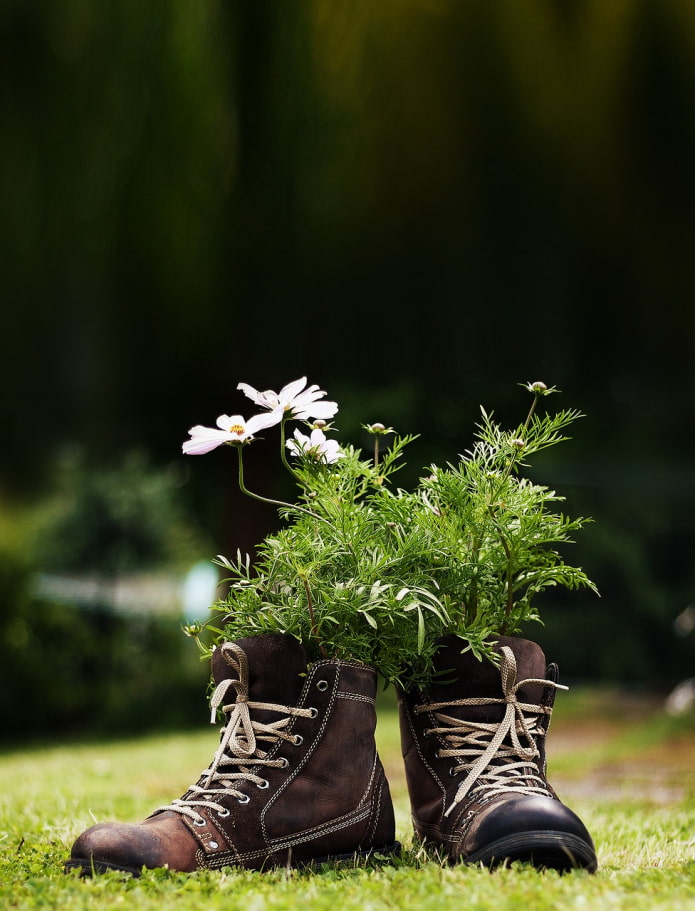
{"x": 232, "y": 429}
{"x": 302, "y": 403}
{"x": 315, "y": 445}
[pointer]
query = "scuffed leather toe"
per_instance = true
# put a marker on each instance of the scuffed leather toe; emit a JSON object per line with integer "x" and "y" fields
{"x": 162, "y": 841}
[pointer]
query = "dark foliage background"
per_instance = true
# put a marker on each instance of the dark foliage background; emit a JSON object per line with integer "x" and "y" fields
{"x": 419, "y": 204}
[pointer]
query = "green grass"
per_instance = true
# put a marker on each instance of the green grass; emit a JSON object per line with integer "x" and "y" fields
{"x": 631, "y": 778}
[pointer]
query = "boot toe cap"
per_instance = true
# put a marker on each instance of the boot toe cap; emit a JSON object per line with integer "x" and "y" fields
{"x": 532, "y": 828}
{"x": 163, "y": 841}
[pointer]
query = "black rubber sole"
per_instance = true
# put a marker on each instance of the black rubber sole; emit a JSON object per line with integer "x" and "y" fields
{"x": 90, "y": 867}
{"x": 544, "y": 850}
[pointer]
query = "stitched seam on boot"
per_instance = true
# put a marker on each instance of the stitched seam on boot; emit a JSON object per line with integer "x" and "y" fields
{"x": 329, "y": 662}
{"x": 429, "y": 768}
{"x": 310, "y": 752}
{"x": 357, "y": 697}
{"x": 325, "y": 828}
{"x": 370, "y": 784}
{"x": 216, "y": 831}
{"x": 208, "y": 861}
{"x": 436, "y": 835}
{"x": 222, "y": 860}
{"x": 376, "y": 810}
{"x": 433, "y": 828}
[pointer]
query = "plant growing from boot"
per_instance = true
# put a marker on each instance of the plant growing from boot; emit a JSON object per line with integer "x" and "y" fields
{"x": 365, "y": 570}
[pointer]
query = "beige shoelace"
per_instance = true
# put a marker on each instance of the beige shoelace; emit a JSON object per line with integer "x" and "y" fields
{"x": 239, "y": 751}
{"x": 479, "y": 747}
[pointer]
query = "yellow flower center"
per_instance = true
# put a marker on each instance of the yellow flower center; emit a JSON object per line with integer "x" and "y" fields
{"x": 237, "y": 428}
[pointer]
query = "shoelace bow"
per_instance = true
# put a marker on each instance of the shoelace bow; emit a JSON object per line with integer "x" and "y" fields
{"x": 478, "y": 744}
{"x": 239, "y": 751}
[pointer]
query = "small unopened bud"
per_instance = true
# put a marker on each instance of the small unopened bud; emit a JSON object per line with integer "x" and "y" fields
{"x": 377, "y": 429}
{"x": 320, "y": 425}
{"x": 539, "y": 387}
{"x": 518, "y": 444}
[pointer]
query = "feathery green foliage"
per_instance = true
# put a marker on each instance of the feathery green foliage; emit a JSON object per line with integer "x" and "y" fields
{"x": 365, "y": 570}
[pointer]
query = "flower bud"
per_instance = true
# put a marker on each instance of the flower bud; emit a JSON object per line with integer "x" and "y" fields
{"x": 518, "y": 444}
{"x": 378, "y": 429}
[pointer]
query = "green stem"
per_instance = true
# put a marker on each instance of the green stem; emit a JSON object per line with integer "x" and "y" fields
{"x": 256, "y": 496}
{"x": 512, "y": 462}
{"x": 500, "y": 531}
{"x": 472, "y": 601}
{"x": 283, "y": 453}
{"x": 312, "y": 617}
{"x": 510, "y": 588}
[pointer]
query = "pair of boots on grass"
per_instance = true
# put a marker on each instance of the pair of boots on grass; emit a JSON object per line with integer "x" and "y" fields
{"x": 296, "y": 779}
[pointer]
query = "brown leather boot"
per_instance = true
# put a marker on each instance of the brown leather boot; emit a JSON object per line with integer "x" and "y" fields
{"x": 296, "y": 778}
{"x": 474, "y": 750}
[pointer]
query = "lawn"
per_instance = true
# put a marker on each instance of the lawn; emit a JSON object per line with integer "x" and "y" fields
{"x": 625, "y": 768}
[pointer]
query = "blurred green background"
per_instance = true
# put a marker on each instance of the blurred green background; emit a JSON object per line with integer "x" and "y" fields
{"x": 417, "y": 203}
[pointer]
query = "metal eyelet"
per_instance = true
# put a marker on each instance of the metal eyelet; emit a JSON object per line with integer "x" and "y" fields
{"x": 284, "y": 762}
{"x": 263, "y": 784}
{"x": 322, "y": 685}
{"x": 426, "y": 733}
{"x": 243, "y": 800}
{"x": 452, "y": 772}
{"x": 213, "y": 845}
{"x": 200, "y": 823}
{"x": 313, "y": 713}
{"x": 223, "y": 813}
{"x": 298, "y": 740}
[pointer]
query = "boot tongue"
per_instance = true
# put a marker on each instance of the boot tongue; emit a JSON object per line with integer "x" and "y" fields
{"x": 463, "y": 676}
{"x": 277, "y": 666}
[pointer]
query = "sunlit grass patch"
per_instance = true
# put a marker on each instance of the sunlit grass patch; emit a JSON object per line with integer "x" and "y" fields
{"x": 646, "y": 847}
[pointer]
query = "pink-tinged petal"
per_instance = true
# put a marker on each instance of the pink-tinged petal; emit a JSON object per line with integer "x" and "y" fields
{"x": 319, "y": 411}
{"x": 204, "y": 439}
{"x": 288, "y": 393}
{"x": 318, "y": 437}
{"x": 267, "y": 399}
{"x": 250, "y": 392}
{"x": 261, "y": 421}
{"x": 299, "y": 443}
{"x": 199, "y": 447}
{"x": 332, "y": 451}
{"x": 309, "y": 395}
{"x": 324, "y": 410}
